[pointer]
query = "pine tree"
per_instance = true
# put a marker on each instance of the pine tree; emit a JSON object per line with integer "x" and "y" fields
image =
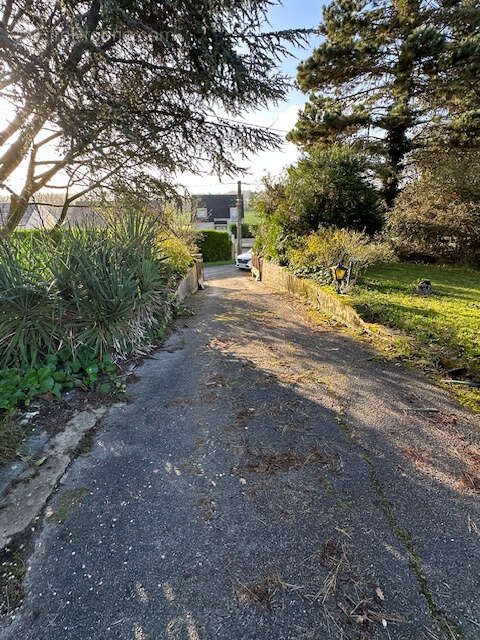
{"x": 388, "y": 75}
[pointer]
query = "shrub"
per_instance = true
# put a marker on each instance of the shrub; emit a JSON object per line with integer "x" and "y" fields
{"x": 273, "y": 238}
{"x": 215, "y": 246}
{"x": 326, "y": 188}
{"x": 72, "y": 297}
{"x": 330, "y": 187}
{"x": 248, "y": 230}
{"x": 177, "y": 254}
{"x": 315, "y": 254}
{"x": 423, "y": 227}
{"x": 437, "y": 217}
{"x": 30, "y": 311}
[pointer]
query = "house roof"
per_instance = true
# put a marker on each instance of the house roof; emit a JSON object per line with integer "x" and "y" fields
{"x": 35, "y": 217}
{"x": 44, "y": 216}
{"x": 217, "y": 205}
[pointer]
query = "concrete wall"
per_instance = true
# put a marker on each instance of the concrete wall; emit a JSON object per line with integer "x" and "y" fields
{"x": 190, "y": 282}
{"x": 281, "y": 278}
{"x": 203, "y": 226}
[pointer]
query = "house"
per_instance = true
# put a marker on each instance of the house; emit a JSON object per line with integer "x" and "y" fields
{"x": 215, "y": 211}
{"x": 45, "y": 216}
{"x": 83, "y": 216}
{"x": 36, "y": 216}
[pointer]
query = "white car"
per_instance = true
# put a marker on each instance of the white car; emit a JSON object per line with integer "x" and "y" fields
{"x": 244, "y": 260}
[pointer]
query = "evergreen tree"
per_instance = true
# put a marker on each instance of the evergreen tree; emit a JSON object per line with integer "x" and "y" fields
{"x": 388, "y": 75}
{"x": 149, "y": 85}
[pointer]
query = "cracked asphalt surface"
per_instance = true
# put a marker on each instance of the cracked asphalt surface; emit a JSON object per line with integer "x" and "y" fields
{"x": 269, "y": 479}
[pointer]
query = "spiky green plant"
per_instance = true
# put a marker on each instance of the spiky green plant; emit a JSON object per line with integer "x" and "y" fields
{"x": 30, "y": 310}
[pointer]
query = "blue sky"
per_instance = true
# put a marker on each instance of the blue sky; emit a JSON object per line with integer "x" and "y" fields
{"x": 296, "y": 14}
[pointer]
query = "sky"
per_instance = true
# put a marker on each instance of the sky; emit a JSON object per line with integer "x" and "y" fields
{"x": 282, "y": 117}
{"x": 291, "y": 14}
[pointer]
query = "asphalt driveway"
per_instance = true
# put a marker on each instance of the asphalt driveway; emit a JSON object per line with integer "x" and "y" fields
{"x": 269, "y": 479}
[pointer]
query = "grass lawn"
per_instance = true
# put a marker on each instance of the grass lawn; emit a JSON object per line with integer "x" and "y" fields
{"x": 219, "y": 263}
{"x": 447, "y": 323}
{"x": 250, "y": 217}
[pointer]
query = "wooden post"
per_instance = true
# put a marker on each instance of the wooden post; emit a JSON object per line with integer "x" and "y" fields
{"x": 239, "y": 217}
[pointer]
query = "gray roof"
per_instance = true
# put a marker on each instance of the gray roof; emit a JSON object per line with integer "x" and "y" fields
{"x": 44, "y": 216}
{"x": 36, "y": 216}
{"x": 217, "y": 205}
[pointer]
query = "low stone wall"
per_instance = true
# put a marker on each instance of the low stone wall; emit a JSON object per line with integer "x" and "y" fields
{"x": 190, "y": 283}
{"x": 282, "y": 278}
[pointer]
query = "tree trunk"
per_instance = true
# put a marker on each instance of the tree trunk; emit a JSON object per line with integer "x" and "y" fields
{"x": 19, "y": 149}
{"x": 18, "y": 207}
{"x": 63, "y": 215}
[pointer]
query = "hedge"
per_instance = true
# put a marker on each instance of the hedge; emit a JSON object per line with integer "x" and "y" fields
{"x": 215, "y": 246}
{"x": 248, "y": 230}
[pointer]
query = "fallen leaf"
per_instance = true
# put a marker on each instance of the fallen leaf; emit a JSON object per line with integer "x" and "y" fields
{"x": 360, "y": 619}
{"x": 39, "y": 462}
{"x": 379, "y": 593}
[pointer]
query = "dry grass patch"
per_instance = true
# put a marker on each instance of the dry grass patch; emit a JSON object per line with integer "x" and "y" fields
{"x": 470, "y": 479}
{"x": 242, "y": 419}
{"x": 221, "y": 345}
{"x": 262, "y": 591}
{"x": 272, "y": 462}
{"x": 11, "y": 437}
{"x": 216, "y": 380}
{"x": 361, "y": 605}
{"x": 418, "y": 456}
{"x": 208, "y": 508}
{"x": 333, "y": 556}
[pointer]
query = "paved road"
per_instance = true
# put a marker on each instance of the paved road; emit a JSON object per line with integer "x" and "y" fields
{"x": 270, "y": 479}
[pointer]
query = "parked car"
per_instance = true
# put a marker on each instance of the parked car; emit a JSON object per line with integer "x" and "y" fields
{"x": 244, "y": 260}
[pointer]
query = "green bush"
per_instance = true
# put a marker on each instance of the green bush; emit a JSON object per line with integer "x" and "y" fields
{"x": 215, "y": 246}
{"x": 248, "y": 230}
{"x": 437, "y": 217}
{"x": 178, "y": 256}
{"x": 331, "y": 187}
{"x": 314, "y": 255}
{"x": 326, "y": 188}
{"x": 31, "y": 310}
{"x": 70, "y": 298}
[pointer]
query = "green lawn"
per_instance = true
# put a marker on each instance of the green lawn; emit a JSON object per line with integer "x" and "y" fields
{"x": 219, "y": 263}
{"x": 449, "y": 320}
{"x": 250, "y": 217}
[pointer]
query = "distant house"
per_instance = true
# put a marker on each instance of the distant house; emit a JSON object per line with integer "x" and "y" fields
{"x": 45, "y": 216}
{"x": 83, "y": 216}
{"x": 36, "y": 216}
{"x": 215, "y": 211}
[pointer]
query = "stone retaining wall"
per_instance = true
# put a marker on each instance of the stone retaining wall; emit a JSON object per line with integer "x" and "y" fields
{"x": 190, "y": 283}
{"x": 282, "y": 278}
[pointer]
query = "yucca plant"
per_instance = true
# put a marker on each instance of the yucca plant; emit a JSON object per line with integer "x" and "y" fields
{"x": 99, "y": 290}
{"x": 30, "y": 311}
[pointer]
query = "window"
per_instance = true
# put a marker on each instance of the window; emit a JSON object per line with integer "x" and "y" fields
{"x": 202, "y": 213}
